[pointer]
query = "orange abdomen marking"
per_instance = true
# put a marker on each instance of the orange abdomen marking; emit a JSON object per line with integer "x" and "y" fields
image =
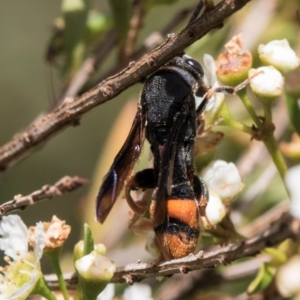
{"x": 185, "y": 210}
{"x": 177, "y": 236}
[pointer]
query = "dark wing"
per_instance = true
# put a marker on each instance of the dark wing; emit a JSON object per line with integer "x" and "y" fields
{"x": 121, "y": 168}
{"x": 167, "y": 166}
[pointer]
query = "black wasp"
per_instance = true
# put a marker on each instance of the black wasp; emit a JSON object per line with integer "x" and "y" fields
{"x": 168, "y": 117}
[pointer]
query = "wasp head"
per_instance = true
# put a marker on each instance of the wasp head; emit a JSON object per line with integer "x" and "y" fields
{"x": 190, "y": 69}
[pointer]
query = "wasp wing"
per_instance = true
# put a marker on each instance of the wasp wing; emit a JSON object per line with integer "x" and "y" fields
{"x": 167, "y": 166}
{"x": 121, "y": 168}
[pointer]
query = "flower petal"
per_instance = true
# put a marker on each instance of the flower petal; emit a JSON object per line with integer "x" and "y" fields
{"x": 224, "y": 179}
{"x": 215, "y": 210}
{"x": 279, "y": 54}
{"x": 39, "y": 241}
{"x": 14, "y": 241}
{"x": 268, "y": 83}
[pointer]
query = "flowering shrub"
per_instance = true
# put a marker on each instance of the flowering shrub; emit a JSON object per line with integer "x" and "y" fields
{"x": 238, "y": 153}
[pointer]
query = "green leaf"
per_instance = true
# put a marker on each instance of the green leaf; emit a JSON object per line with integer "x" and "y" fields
{"x": 121, "y": 10}
{"x": 88, "y": 240}
{"x": 97, "y": 24}
{"x": 294, "y": 111}
{"x": 278, "y": 257}
{"x": 75, "y": 14}
{"x": 262, "y": 280}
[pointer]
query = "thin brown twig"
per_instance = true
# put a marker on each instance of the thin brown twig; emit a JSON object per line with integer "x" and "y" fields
{"x": 285, "y": 227}
{"x": 258, "y": 225}
{"x": 185, "y": 286}
{"x": 135, "y": 23}
{"x": 152, "y": 41}
{"x": 69, "y": 113}
{"x": 64, "y": 185}
{"x": 104, "y": 48}
{"x": 90, "y": 65}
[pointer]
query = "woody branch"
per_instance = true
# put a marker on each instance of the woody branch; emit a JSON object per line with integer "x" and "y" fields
{"x": 64, "y": 185}
{"x": 285, "y": 227}
{"x": 69, "y": 112}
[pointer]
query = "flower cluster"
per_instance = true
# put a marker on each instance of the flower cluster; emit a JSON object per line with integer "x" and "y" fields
{"x": 224, "y": 183}
{"x": 23, "y": 276}
{"x": 23, "y": 271}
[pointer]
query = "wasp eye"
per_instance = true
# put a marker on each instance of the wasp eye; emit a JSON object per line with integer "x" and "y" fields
{"x": 193, "y": 63}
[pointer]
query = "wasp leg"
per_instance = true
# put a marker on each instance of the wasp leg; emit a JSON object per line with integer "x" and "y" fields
{"x": 144, "y": 179}
{"x": 202, "y": 197}
{"x": 222, "y": 89}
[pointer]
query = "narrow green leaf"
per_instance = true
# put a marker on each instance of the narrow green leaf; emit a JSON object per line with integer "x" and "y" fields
{"x": 278, "y": 256}
{"x": 262, "y": 280}
{"x": 75, "y": 14}
{"x": 294, "y": 111}
{"x": 88, "y": 240}
{"x": 121, "y": 10}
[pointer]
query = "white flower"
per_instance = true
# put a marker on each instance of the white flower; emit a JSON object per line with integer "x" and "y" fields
{"x": 215, "y": 210}
{"x": 288, "y": 277}
{"x": 292, "y": 183}
{"x": 280, "y": 55}
{"x": 94, "y": 273}
{"x": 210, "y": 78}
{"x": 95, "y": 266}
{"x": 224, "y": 179}
{"x": 108, "y": 293}
{"x": 268, "y": 84}
{"x": 138, "y": 292}
{"x": 21, "y": 275}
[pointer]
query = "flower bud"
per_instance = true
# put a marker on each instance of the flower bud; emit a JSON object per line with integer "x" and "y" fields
{"x": 100, "y": 248}
{"x": 292, "y": 183}
{"x": 78, "y": 250}
{"x": 215, "y": 210}
{"x": 287, "y": 277}
{"x": 224, "y": 179}
{"x": 94, "y": 273}
{"x": 279, "y": 54}
{"x": 267, "y": 85}
{"x": 234, "y": 64}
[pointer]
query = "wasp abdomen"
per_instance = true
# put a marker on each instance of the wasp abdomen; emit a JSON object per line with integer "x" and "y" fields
{"x": 178, "y": 235}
